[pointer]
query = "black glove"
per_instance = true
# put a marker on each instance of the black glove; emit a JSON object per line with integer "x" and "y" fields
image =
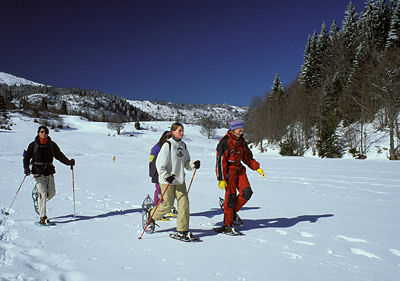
{"x": 72, "y": 162}
{"x": 27, "y": 171}
{"x": 196, "y": 164}
{"x": 170, "y": 179}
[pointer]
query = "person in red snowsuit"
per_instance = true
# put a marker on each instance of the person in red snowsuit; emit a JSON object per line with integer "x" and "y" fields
{"x": 232, "y": 150}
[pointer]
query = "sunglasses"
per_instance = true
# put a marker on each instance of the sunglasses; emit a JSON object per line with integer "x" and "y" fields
{"x": 43, "y": 132}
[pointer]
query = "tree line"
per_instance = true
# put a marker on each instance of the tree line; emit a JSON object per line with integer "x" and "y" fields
{"x": 349, "y": 80}
{"x": 45, "y": 103}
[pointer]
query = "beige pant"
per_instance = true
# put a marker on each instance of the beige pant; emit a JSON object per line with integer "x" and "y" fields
{"x": 179, "y": 192}
{"x": 46, "y": 190}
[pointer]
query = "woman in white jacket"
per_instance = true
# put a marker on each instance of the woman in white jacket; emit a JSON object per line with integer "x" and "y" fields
{"x": 171, "y": 161}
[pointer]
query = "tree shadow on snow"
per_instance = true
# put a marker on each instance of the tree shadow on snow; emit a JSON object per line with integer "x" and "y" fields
{"x": 70, "y": 218}
{"x": 249, "y": 224}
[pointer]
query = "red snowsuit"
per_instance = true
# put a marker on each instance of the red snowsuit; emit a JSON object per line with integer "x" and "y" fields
{"x": 230, "y": 152}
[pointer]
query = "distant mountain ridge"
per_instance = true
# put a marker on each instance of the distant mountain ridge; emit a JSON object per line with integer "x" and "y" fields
{"x": 11, "y": 80}
{"x": 190, "y": 113}
{"x": 34, "y": 98}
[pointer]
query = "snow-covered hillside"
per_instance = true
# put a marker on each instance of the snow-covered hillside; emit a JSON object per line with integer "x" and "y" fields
{"x": 97, "y": 106}
{"x": 190, "y": 113}
{"x": 10, "y": 80}
{"x": 308, "y": 219}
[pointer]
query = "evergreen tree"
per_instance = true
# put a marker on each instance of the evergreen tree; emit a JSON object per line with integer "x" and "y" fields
{"x": 309, "y": 75}
{"x": 393, "y": 39}
{"x": 334, "y": 31}
{"x": 4, "y": 116}
{"x": 277, "y": 108}
{"x": 349, "y": 24}
{"x": 374, "y": 25}
{"x": 323, "y": 42}
{"x": 328, "y": 144}
{"x": 64, "y": 108}
{"x": 277, "y": 89}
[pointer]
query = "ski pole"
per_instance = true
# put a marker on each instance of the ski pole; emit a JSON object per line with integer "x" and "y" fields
{"x": 192, "y": 180}
{"x": 73, "y": 187}
{"x": 159, "y": 201}
{"x": 7, "y": 213}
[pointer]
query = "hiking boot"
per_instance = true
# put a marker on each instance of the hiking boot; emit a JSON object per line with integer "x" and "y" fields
{"x": 228, "y": 229}
{"x": 236, "y": 219}
{"x": 184, "y": 235}
{"x": 43, "y": 220}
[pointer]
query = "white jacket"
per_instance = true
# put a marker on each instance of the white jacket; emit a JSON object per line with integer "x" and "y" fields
{"x": 173, "y": 161}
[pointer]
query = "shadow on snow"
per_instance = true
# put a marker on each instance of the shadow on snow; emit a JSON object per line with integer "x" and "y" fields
{"x": 83, "y": 218}
{"x": 217, "y": 211}
{"x": 249, "y": 224}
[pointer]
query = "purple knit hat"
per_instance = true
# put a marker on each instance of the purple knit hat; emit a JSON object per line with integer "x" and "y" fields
{"x": 237, "y": 124}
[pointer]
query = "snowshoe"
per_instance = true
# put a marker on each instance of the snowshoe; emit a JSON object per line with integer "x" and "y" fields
{"x": 35, "y": 196}
{"x": 184, "y": 236}
{"x": 228, "y": 230}
{"x": 45, "y": 224}
{"x": 147, "y": 205}
{"x": 236, "y": 219}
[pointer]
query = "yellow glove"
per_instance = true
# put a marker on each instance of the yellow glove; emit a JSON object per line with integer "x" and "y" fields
{"x": 222, "y": 184}
{"x": 261, "y": 172}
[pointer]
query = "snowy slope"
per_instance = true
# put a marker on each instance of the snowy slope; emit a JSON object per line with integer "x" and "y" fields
{"x": 10, "y": 79}
{"x": 308, "y": 219}
{"x": 190, "y": 113}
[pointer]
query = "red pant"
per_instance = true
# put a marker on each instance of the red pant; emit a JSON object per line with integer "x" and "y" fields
{"x": 237, "y": 180}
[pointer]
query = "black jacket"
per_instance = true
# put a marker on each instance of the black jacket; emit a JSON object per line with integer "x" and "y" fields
{"x": 42, "y": 157}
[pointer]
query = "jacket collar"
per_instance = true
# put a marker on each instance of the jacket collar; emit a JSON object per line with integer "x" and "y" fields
{"x": 38, "y": 141}
{"x": 232, "y": 136}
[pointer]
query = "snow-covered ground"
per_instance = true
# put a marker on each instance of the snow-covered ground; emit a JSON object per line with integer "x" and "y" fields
{"x": 308, "y": 219}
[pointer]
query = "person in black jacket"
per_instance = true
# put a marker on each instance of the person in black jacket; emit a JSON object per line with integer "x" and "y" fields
{"x": 41, "y": 151}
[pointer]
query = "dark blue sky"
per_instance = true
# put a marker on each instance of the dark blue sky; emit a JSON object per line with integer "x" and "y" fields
{"x": 183, "y": 51}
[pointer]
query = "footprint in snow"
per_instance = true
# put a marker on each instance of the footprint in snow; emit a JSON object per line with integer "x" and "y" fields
{"x": 364, "y": 253}
{"x": 332, "y": 253}
{"x": 351, "y": 239}
{"x": 261, "y": 240}
{"x": 127, "y": 268}
{"x": 306, "y": 235}
{"x": 292, "y": 256}
{"x": 281, "y": 232}
{"x": 303, "y": 242}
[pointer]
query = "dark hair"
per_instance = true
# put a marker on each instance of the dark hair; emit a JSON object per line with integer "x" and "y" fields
{"x": 166, "y": 135}
{"x": 45, "y": 129}
{"x": 175, "y": 126}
